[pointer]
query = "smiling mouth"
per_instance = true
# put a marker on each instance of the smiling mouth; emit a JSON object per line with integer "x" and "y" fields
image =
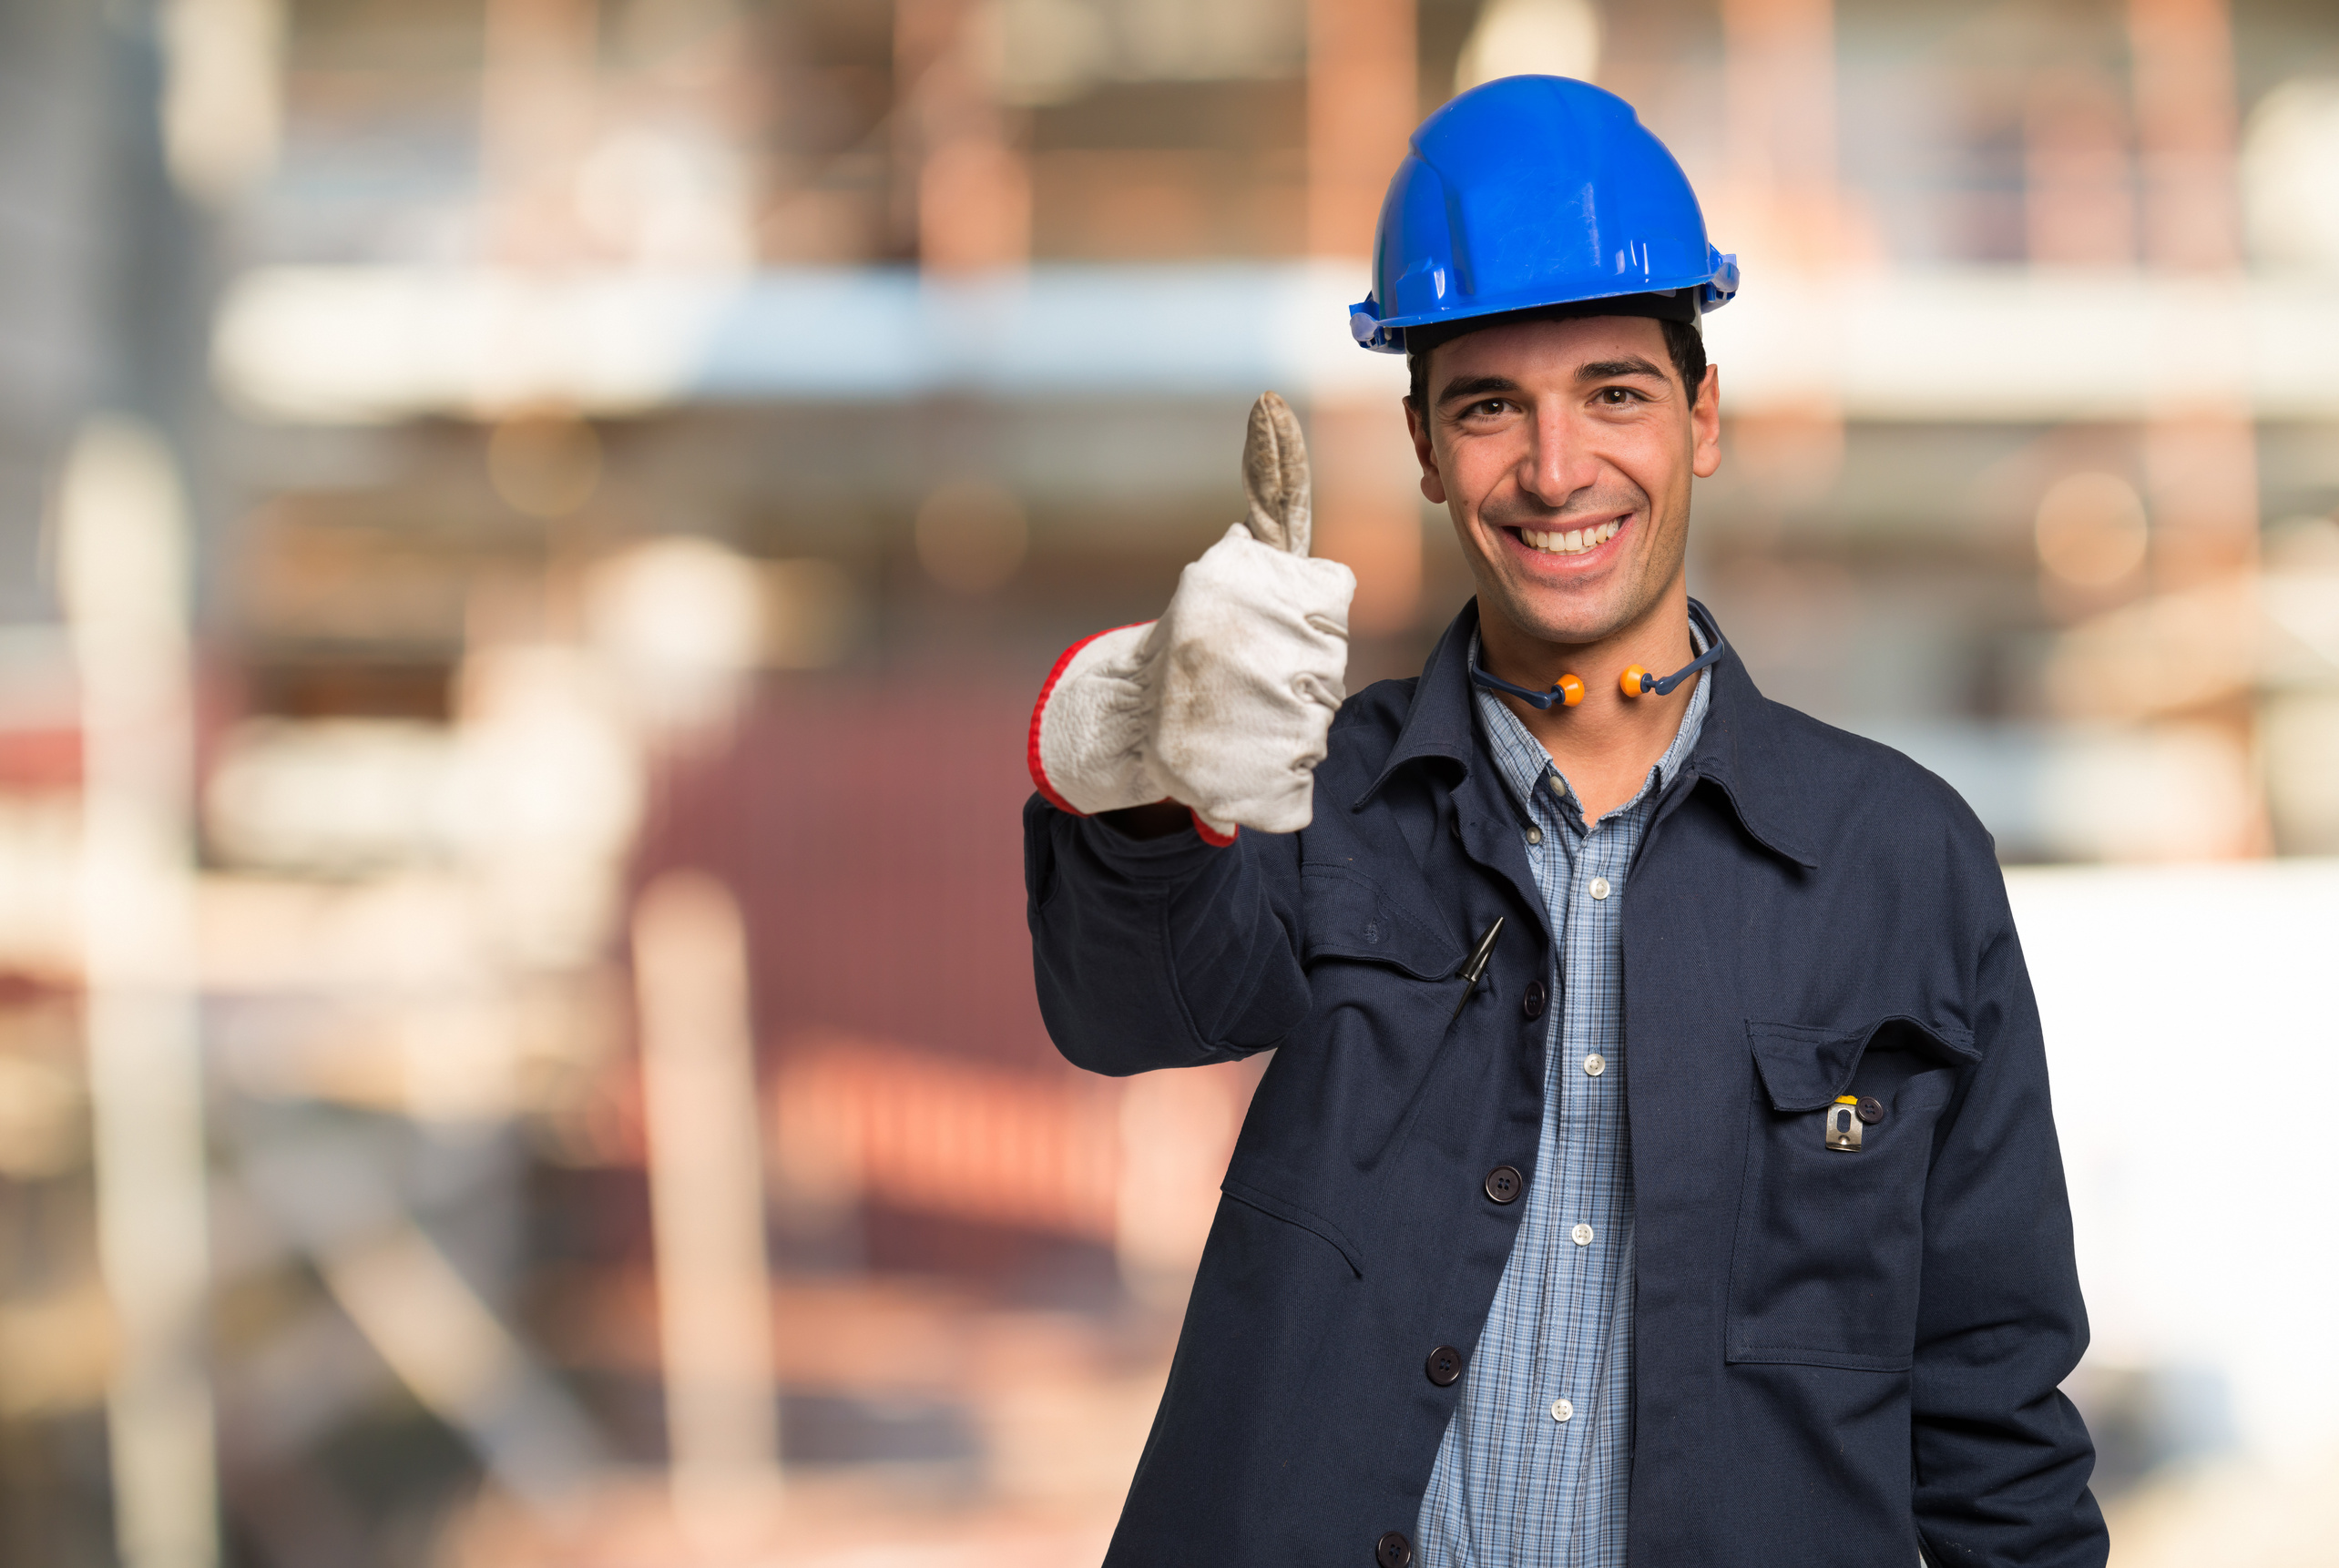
{"x": 1569, "y": 541}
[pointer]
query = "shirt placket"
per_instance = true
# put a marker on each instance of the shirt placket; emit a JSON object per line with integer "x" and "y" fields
{"x": 1584, "y": 1232}
{"x": 1551, "y": 1363}
{"x": 1512, "y": 1483}
{"x": 1592, "y": 1104}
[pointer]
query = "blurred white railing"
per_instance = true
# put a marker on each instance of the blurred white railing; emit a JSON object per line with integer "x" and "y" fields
{"x": 376, "y": 343}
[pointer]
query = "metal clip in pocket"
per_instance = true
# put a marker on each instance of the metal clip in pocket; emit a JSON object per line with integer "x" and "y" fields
{"x": 1844, "y": 1124}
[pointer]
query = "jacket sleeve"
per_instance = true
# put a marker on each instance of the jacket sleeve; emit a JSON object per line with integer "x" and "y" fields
{"x": 2002, "y": 1459}
{"x": 1161, "y": 953}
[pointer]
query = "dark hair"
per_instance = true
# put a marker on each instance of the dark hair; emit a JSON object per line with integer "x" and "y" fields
{"x": 1684, "y": 344}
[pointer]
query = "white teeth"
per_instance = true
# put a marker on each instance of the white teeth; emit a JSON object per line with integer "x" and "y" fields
{"x": 1574, "y": 542}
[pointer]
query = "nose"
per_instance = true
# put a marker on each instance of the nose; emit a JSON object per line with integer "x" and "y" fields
{"x": 1559, "y": 460}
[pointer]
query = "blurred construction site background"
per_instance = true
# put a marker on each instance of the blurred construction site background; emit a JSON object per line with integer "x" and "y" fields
{"x": 529, "y": 529}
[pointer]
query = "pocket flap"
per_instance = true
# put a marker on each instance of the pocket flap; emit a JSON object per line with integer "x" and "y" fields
{"x": 1348, "y": 918}
{"x": 1292, "y": 1213}
{"x": 1804, "y": 1066}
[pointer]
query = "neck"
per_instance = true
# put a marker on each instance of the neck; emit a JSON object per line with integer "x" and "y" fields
{"x": 1606, "y": 744}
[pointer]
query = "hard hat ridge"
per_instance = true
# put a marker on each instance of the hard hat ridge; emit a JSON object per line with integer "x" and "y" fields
{"x": 1532, "y": 191}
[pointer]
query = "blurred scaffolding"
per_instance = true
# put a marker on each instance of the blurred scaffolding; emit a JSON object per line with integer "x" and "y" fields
{"x": 532, "y": 527}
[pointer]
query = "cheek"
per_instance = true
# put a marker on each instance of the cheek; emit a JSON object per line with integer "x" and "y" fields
{"x": 1476, "y": 468}
{"x": 1653, "y": 461}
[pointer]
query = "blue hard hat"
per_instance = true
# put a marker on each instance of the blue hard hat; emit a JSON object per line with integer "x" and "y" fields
{"x": 1530, "y": 191}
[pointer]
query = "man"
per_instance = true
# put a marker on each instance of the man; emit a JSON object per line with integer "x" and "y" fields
{"x": 1656, "y": 1165}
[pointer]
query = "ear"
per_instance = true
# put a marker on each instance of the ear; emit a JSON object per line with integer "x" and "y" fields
{"x": 1705, "y": 425}
{"x": 1433, "y": 482}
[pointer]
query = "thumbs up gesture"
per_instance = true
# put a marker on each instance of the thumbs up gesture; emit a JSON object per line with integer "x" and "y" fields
{"x": 1223, "y": 704}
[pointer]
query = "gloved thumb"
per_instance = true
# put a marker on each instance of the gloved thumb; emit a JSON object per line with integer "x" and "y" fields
{"x": 1275, "y": 477}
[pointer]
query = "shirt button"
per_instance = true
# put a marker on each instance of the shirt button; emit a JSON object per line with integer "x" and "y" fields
{"x": 1443, "y": 1366}
{"x": 1563, "y": 1410}
{"x": 1503, "y": 1183}
{"x": 1393, "y": 1551}
{"x": 1558, "y": 785}
{"x": 1583, "y": 1235}
{"x": 1533, "y": 834}
{"x": 1595, "y": 1064}
{"x": 1531, "y": 1001}
{"x": 1599, "y": 888}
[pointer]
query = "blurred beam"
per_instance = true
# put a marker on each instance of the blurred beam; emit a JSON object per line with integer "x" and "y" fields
{"x": 455, "y": 1354}
{"x": 1362, "y": 102}
{"x": 335, "y": 345}
{"x": 2200, "y": 446}
{"x": 1369, "y": 506}
{"x": 2185, "y": 123}
{"x": 328, "y": 1191}
{"x": 960, "y": 170}
{"x": 124, "y": 570}
{"x": 222, "y": 109}
{"x": 1781, "y": 209}
{"x": 538, "y": 106}
{"x": 706, "y": 1188}
{"x": 1779, "y": 103}
{"x": 2201, "y": 438}
{"x": 2079, "y": 201}
{"x": 1363, "y": 98}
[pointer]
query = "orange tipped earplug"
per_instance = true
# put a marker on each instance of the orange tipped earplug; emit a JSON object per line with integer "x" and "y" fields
{"x": 1630, "y": 682}
{"x": 1571, "y": 690}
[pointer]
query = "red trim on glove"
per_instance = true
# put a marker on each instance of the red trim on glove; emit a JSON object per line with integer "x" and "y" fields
{"x": 1031, "y": 754}
{"x": 1210, "y": 835}
{"x": 1048, "y": 792}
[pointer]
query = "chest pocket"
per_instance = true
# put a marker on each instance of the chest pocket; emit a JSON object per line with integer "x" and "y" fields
{"x": 1825, "y": 1267}
{"x": 1348, "y": 918}
{"x": 1346, "y": 1084}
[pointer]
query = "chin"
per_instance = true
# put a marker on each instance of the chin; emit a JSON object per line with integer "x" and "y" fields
{"x": 1554, "y": 617}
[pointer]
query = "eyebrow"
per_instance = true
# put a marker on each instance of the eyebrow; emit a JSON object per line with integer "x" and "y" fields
{"x": 1608, "y": 370}
{"x": 1476, "y": 386}
{"x": 1591, "y": 371}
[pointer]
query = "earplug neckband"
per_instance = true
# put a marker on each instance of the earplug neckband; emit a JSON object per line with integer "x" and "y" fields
{"x": 1633, "y": 682}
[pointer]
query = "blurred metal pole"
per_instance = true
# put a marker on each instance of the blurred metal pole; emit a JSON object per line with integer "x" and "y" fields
{"x": 124, "y": 569}
{"x": 706, "y": 1188}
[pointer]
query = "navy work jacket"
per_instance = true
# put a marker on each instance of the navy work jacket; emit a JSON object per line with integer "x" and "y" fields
{"x": 1839, "y": 1356}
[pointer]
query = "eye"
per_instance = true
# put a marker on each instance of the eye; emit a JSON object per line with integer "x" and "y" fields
{"x": 1620, "y": 397}
{"x": 1488, "y": 408}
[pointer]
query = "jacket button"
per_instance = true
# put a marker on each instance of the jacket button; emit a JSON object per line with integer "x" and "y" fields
{"x": 1532, "y": 1002}
{"x": 1503, "y": 1183}
{"x": 1871, "y": 1109}
{"x": 1393, "y": 1551}
{"x": 1443, "y": 1366}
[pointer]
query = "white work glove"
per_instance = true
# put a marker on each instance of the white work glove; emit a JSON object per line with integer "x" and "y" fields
{"x": 1223, "y": 704}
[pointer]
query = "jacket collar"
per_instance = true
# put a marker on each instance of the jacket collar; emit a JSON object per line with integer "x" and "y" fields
{"x": 1742, "y": 749}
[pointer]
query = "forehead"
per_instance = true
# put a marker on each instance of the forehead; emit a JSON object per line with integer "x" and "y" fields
{"x": 1534, "y": 351}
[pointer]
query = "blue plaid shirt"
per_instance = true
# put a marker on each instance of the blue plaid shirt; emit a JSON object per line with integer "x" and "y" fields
{"x": 1535, "y": 1465}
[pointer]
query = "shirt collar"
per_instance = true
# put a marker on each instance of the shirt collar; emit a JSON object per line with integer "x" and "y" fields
{"x": 1740, "y": 746}
{"x": 1525, "y": 764}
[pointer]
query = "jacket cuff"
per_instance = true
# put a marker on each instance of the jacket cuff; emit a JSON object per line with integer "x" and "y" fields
{"x": 1168, "y": 858}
